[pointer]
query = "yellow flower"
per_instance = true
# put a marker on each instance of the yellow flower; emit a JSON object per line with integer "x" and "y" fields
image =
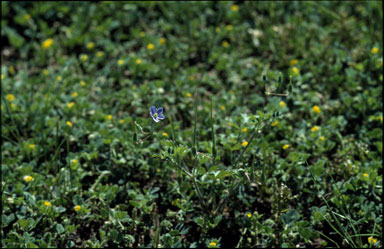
{"x": 138, "y": 61}
{"x": 372, "y": 240}
{"x": 99, "y": 54}
{"x": 249, "y": 215}
{"x": 188, "y": 95}
{"x": 82, "y": 83}
{"x": 31, "y": 146}
{"x": 244, "y": 130}
{"x": 74, "y": 161}
{"x": 165, "y": 134}
{"x": 222, "y": 107}
{"x": 69, "y": 123}
{"x": 47, "y": 43}
{"x": 244, "y": 143}
{"x": 10, "y": 97}
{"x": 230, "y": 123}
{"x": 47, "y": 203}
{"x": 74, "y": 94}
{"x": 11, "y": 69}
{"x": 375, "y": 50}
{"x": 225, "y": 44}
{"x": 295, "y": 70}
{"x": 77, "y": 208}
{"x": 150, "y": 46}
{"x": 27, "y": 17}
{"x": 275, "y": 123}
{"x": 218, "y": 29}
{"x": 120, "y": 62}
{"x": 70, "y": 104}
{"x": 175, "y": 202}
{"x": 293, "y": 62}
{"x": 286, "y": 146}
{"x": 282, "y": 104}
{"x": 59, "y": 78}
{"x": 91, "y": 45}
{"x": 322, "y": 138}
{"x": 316, "y": 109}
{"x": 162, "y": 40}
{"x": 212, "y": 243}
{"x": 366, "y": 174}
{"x": 235, "y": 8}
{"x": 28, "y": 178}
{"x": 109, "y": 117}
{"x": 45, "y": 72}
{"x": 228, "y": 27}
{"x": 84, "y": 57}
{"x": 315, "y": 128}
{"x": 121, "y": 121}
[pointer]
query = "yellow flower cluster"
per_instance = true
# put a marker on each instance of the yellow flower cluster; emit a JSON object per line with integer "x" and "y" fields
{"x": 316, "y": 109}
{"x": 244, "y": 143}
{"x": 31, "y": 146}
{"x": 47, "y": 203}
{"x": 120, "y": 62}
{"x": 275, "y": 123}
{"x": 286, "y": 146}
{"x": 70, "y": 104}
{"x": 165, "y": 134}
{"x": 109, "y": 117}
{"x": 77, "y": 208}
{"x": 315, "y": 128}
{"x": 10, "y": 97}
{"x": 47, "y": 43}
{"x": 91, "y": 45}
{"x": 150, "y": 46}
{"x": 372, "y": 240}
{"x": 282, "y": 104}
{"x": 69, "y": 123}
{"x": 27, "y": 178}
{"x": 375, "y": 50}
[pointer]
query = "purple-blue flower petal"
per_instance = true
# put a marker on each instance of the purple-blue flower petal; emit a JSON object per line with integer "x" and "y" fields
{"x": 160, "y": 116}
{"x": 156, "y": 120}
{"x": 160, "y": 110}
{"x": 152, "y": 110}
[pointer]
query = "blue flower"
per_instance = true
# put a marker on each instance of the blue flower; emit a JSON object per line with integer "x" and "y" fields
{"x": 157, "y": 115}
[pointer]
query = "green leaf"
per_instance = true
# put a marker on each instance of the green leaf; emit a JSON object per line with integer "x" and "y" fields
{"x": 290, "y": 217}
{"x": 59, "y": 228}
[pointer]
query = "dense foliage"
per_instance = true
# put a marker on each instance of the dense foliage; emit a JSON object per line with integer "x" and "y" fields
{"x": 272, "y": 129}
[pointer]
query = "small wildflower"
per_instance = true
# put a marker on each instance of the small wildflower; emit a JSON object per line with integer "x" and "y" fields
{"x": 70, "y": 104}
{"x": 365, "y": 174}
{"x": 75, "y": 161}
{"x": 47, "y": 43}
{"x": 10, "y": 97}
{"x": 293, "y": 62}
{"x": 222, "y": 107}
{"x": 109, "y": 117}
{"x": 121, "y": 121}
{"x": 249, "y": 215}
{"x": 244, "y": 130}
{"x": 27, "y": 17}
{"x": 165, "y": 134}
{"x": 188, "y": 95}
{"x": 275, "y": 123}
{"x": 175, "y": 202}
{"x": 235, "y": 8}
{"x": 77, "y": 208}
{"x": 212, "y": 243}
{"x": 316, "y": 109}
{"x": 138, "y": 61}
{"x": 69, "y": 123}
{"x": 150, "y": 46}
{"x": 99, "y": 54}
{"x": 47, "y": 203}
{"x": 229, "y": 27}
{"x": 91, "y": 45}
{"x": 74, "y": 94}
{"x": 244, "y": 143}
{"x": 286, "y": 146}
{"x": 372, "y": 240}
{"x": 315, "y": 128}
{"x": 84, "y": 57}
{"x": 322, "y": 138}
{"x": 375, "y": 50}
{"x": 225, "y": 44}
{"x": 156, "y": 114}
{"x": 120, "y": 62}
{"x": 59, "y": 78}
{"x": 45, "y": 72}
{"x": 82, "y": 83}
{"x": 27, "y": 178}
{"x": 282, "y": 104}
{"x": 31, "y": 146}
{"x": 218, "y": 29}
{"x": 162, "y": 40}
{"x": 295, "y": 70}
